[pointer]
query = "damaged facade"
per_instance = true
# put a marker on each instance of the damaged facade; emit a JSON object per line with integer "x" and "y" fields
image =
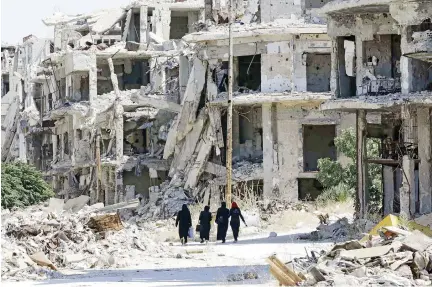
{"x": 133, "y": 100}
{"x": 381, "y": 65}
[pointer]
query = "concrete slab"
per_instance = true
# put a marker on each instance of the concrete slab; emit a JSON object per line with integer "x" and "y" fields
{"x": 367, "y": 252}
{"x": 417, "y": 241}
{"x": 76, "y": 204}
{"x": 56, "y": 205}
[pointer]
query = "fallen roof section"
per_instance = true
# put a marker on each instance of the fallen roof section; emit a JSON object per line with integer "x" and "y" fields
{"x": 108, "y": 20}
{"x": 264, "y": 98}
{"x": 157, "y": 101}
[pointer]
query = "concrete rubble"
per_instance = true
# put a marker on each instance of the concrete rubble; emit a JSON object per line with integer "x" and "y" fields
{"x": 129, "y": 105}
{"x": 382, "y": 261}
{"x": 68, "y": 243}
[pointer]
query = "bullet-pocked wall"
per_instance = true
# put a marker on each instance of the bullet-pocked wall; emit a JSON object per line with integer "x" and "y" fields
{"x": 318, "y": 70}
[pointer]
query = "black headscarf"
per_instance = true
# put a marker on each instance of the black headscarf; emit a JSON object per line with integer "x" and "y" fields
{"x": 223, "y": 204}
{"x": 207, "y": 208}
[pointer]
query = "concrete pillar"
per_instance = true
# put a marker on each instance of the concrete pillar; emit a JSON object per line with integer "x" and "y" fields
{"x": 406, "y": 75}
{"x": 67, "y": 179}
{"x": 287, "y": 163}
{"x": 62, "y": 145}
{"x": 92, "y": 78}
{"x": 156, "y": 80}
{"x": 405, "y": 64}
{"x": 235, "y": 74}
{"x": 55, "y": 148}
{"x": 119, "y": 131}
{"x": 359, "y": 63}
{"x": 208, "y": 10}
{"x": 119, "y": 194}
{"x": 235, "y": 133}
{"x": 389, "y": 189}
{"x": 183, "y": 75}
{"x": 268, "y": 143}
{"x": 334, "y": 68}
{"x": 407, "y": 191}
{"x": 299, "y": 73}
{"x": 143, "y": 24}
{"x": 22, "y": 145}
{"x": 361, "y": 205}
{"x": 162, "y": 18}
{"x": 192, "y": 18}
{"x": 424, "y": 124}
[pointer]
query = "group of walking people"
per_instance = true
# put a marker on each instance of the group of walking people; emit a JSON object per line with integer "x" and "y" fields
{"x": 223, "y": 215}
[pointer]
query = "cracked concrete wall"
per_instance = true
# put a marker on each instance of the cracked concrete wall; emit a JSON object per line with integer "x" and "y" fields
{"x": 276, "y": 67}
{"x": 363, "y": 26}
{"x": 318, "y": 70}
{"x": 284, "y": 64}
{"x": 280, "y": 9}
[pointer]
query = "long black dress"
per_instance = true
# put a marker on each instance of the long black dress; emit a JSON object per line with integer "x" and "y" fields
{"x": 184, "y": 222}
{"x": 205, "y": 223}
{"x": 222, "y": 217}
{"x": 235, "y": 221}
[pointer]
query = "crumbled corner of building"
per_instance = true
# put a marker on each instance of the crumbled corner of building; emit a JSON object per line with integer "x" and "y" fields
{"x": 127, "y": 107}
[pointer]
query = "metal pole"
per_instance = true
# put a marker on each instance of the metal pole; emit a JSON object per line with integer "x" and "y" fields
{"x": 98, "y": 166}
{"x": 230, "y": 111}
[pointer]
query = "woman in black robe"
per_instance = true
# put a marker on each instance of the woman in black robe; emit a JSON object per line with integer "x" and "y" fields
{"x": 205, "y": 219}
{"x": 222, "y": 217}
{"x": 184, "y": 222}
{"x": 236, "y": 215}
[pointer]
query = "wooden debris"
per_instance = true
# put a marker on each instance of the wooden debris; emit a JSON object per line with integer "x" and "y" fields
{"x": 105, "y": 222}
{"x": 194, "y": 251}
{"x": 282, "y": 273}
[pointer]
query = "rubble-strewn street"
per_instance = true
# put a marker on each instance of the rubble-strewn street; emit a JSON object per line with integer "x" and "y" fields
{"x": 133, "y": 132}
{"x": 143, "y": 246}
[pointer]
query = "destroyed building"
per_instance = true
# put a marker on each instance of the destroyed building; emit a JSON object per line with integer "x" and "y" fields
{"x": 282, "y": 70}
{"x": 381, "y": 65}
{"x": 133, "y": 100}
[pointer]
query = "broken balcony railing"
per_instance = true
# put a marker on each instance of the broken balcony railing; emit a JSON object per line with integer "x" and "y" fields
{"x": 380, "y": 87}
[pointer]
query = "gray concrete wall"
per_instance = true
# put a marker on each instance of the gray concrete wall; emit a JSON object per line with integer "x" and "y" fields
{"x": 318, "y": 70}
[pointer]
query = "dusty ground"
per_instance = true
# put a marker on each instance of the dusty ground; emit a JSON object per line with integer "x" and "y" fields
{"x": 215, "y": 262}
{"x": 210, "y": 268}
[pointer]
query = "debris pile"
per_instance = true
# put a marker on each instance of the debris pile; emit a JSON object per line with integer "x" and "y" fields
{"x": 278, "y": 205}
{"x": 163, "y": 204}
{"x": 66, "y": 240}
{"x": 395, "y": 258}
{"x": 339, "y": 229}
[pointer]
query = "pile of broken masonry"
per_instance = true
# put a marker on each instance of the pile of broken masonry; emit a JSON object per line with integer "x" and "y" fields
{"x": 66, "y": 240}
{"x": 394, "y": 258}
